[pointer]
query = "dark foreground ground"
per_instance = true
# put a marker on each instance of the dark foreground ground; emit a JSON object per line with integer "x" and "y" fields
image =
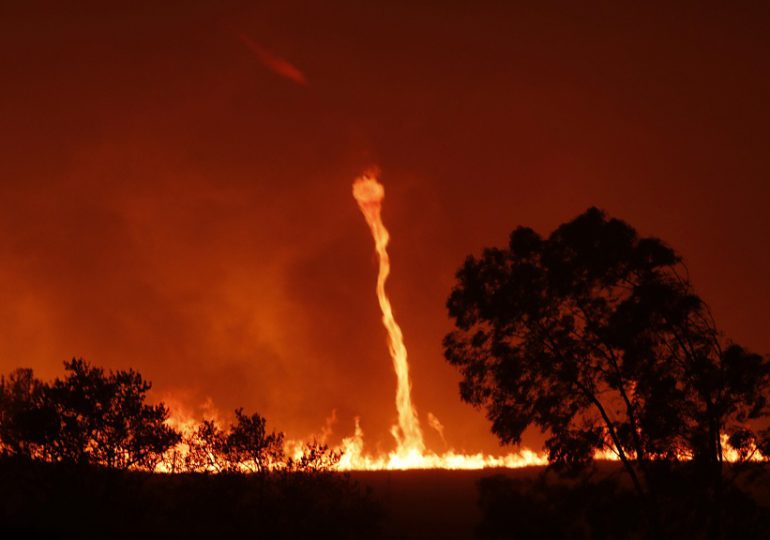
{"x": 65, "y": 501}
{"x": 433, "y": 503}
{"x": 534, "y": 504}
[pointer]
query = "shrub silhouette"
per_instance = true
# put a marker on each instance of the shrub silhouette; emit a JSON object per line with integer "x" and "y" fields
{"x": 248, "y": 443}
{"x": 78, "y": 453}
{"x": 206, "y": 449}
{"x": 316, "y": 457}
{"x": 97, "y": 418}
{"x": 28, "y": 421}
{"x": 89, "y": 416}
{"x": 246, "y": 446}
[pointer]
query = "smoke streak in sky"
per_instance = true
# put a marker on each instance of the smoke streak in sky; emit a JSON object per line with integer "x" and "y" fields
{"x": 273, "y": 62}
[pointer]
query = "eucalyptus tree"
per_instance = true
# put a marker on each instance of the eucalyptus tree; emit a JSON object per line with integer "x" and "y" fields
{"x": 595, "y": 335}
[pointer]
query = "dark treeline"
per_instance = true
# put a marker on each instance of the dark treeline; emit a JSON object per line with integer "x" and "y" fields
{"x": 103, "y": 419}
{"x": 87, "y": 417}
{"x": 78, "y": 456}
{"x": 594, "y": 335}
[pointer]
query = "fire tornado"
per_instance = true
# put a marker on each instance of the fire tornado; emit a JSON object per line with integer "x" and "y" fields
{"x": 369, "y": 193}
{"x": 411, "y": 452}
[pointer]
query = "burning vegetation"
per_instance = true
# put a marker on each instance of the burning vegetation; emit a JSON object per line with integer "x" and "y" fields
{"x": 594, "y": 335}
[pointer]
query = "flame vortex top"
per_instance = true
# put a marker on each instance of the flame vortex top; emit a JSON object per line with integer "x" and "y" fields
{"x": 369, "y": 193}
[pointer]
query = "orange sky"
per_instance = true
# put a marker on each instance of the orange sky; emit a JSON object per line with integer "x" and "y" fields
{"x": 174, "y": 202}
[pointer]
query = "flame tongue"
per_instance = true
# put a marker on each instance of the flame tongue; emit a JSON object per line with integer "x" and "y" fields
{"x": 369, "y": 193}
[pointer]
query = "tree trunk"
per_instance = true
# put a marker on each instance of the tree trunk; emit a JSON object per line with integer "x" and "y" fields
{"x": 649, "y": 503}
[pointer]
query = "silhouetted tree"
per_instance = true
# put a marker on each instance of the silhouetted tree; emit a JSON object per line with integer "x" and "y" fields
{"x": 104, "y": 419}
{"x": 246, "y": 446}
{"x": 250, "y": 445}
{"x": 316, "y": 457}
{"x": 206, "y": 448}
{"x": 596, "y": 336}
{"x": 28, "y": 423}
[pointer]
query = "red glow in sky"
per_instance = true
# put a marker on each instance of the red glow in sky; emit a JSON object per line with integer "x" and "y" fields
{"x": 168, "y": 204}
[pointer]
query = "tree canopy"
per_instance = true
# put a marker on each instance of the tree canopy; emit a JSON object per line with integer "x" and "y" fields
{"x": 89, "y": 416}
{"x": 596, "y": 336}
{"x": 245, "y": 446}
{"x": 93, "y": 417}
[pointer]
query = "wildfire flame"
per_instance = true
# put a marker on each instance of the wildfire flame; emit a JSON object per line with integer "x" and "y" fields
{"x": 436, "y": 424}
{"x": 369, "y": 193}
{"x": 410, "y": 450}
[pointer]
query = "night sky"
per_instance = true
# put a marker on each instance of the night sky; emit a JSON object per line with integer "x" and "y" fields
{"x": 175, "y": 181}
